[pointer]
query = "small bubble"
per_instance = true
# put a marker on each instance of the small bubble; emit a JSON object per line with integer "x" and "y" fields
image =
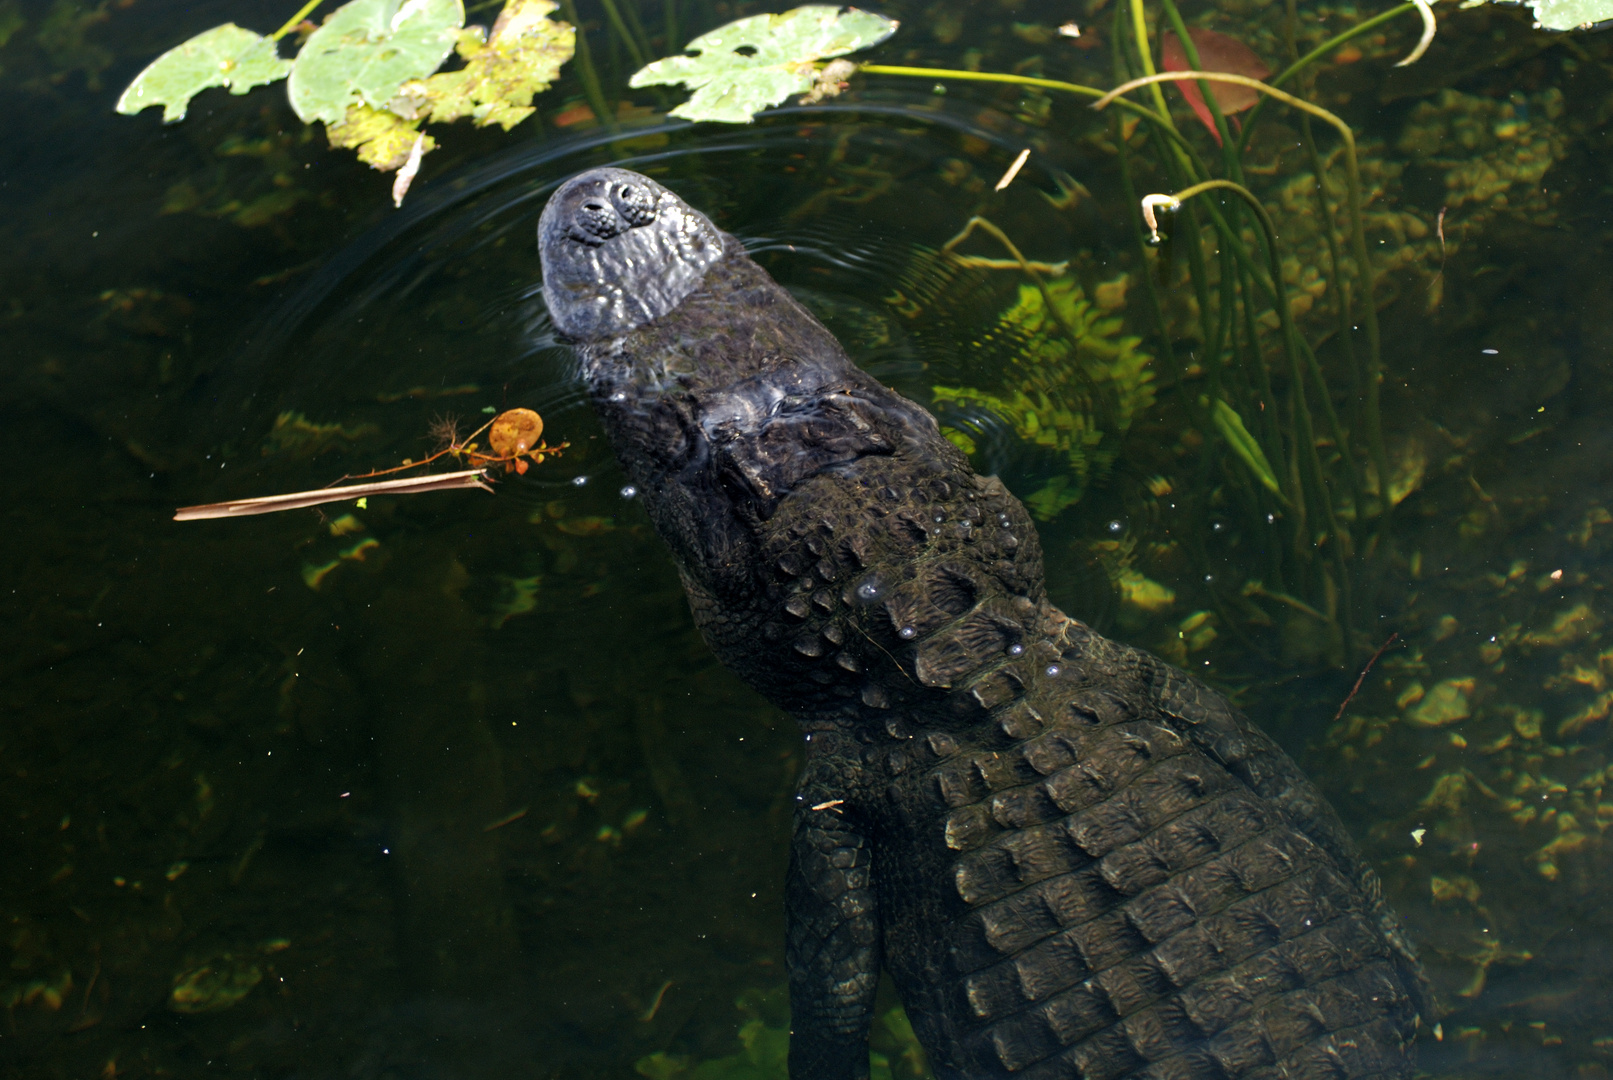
{"x": 1209, "y": 579}
{"x": 1016, "y": 649}
{"x": 1218, "y": 526}
{"x": 869, "y": 590}
{"x": 1117, "y": 526}
{"x": 1271, "y": 519}
{"x": 1052, "y": 671}
{"x": 619, "y": 396}
{"x": 579, "y": 480}
{"x": 907, "y": 633}
{"x": 629, "y": 492}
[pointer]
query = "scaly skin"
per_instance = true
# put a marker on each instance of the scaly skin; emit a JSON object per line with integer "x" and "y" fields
{"x": 1073, "y": 859}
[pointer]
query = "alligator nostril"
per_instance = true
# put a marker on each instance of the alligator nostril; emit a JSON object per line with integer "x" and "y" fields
{"x": 635, "y": 204}
{"x": 596, "y": 222}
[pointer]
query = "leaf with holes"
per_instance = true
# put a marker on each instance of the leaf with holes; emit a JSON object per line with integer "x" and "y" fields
{"x": 521, "y": 58}
{"x": 366, "y": 50}
{"x": 742, "y": 68}
{"x": 223, "y": 56}
{"x": 1573, "y": 14}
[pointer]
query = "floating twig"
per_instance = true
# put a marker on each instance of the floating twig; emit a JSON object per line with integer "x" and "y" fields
{"x": 1013, "y": 170}
{"x": 269, "y": 504}
{"x": 1361, "y": 678}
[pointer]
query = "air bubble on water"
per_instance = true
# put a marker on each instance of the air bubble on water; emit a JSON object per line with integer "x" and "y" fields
{"x": 1052, "y": 671}
{"x": 619, "y": 396}
{"x": 579, "y": 480}
{"x": 1117, "y": 526}
{"x": 907, "y": 633}
{"x": 1209, "y": 578}
{"x": 1217, "y": 526}
{"x": 870, "y": 590}
{"x": 629, "y": 492}
{"x": 1271, "y": 519}
{"x": 1016, "y": 649}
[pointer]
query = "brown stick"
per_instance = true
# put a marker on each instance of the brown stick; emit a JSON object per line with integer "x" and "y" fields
{"x": 1361, "y": 678}
{"x": 268, "y": 504}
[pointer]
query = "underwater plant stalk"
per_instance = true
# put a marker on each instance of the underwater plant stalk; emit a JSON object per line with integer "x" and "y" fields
{"x": 291, "y": 23}
{"x": 1308, "y": 465}
{"x": 1139, "y": 30}
{"x": 586, "y": 72}
{"x": 1336, "y": 284}
{"x": 1316, "y": 54}
{"x": 671, "y": 31}
{"x": 1358, "y": 242}
{"x": 614, "y": 14}
{"x": 1231, "y": 151}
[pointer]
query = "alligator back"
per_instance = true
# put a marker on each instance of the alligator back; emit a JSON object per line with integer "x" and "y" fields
{"x": 1073, "y": 859}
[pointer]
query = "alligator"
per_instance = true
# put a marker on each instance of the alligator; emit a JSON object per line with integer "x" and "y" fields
{"x": 1072, "y": 859}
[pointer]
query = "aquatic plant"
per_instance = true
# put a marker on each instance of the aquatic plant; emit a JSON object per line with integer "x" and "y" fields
{"x": 369, "y": 72}
{"x": 739, "y": 69}
{"x": 1072, "y": 367}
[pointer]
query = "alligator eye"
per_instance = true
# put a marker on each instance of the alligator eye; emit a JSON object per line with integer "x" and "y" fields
{"x": 597, "y": 222}
{"x": 635, "y": 204}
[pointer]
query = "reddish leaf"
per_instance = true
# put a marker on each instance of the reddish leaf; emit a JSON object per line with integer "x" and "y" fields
{"x": 1217, "y": 52}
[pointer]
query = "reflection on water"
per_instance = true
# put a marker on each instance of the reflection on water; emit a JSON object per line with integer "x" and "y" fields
{"x": 450, "y": 786}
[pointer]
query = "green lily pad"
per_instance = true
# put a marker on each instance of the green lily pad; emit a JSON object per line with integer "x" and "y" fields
{"x": 1566, "y": 14}
{"x": 1572, "y": 14}
{"x": 744, "y": 67}
{"x": 366, "y": 50}
{"x": 223, "y": 56}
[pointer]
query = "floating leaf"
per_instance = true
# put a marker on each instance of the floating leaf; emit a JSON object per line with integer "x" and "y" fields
{"x": 223, "y": 56}
{"x": 1567, "y": 14}
{"x": 1230, "y": 425}
{"x": 1572, "y": 14}
{"x": 739, "y": 69}
{"x": 521, "y": 58}
{"x": 366, "y": 50}
{"x": 382, "y": 138}
{"x": 1217, "y": 52}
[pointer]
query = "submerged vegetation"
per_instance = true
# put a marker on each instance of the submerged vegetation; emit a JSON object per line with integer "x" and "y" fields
{"x": 369, "y": 72}
{"x": 225, "y": 733}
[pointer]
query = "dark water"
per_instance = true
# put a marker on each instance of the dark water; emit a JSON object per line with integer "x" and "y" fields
{"x": 449, "y": 786}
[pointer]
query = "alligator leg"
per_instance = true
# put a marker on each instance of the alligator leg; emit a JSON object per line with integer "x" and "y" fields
{"x": 833, "y": 940}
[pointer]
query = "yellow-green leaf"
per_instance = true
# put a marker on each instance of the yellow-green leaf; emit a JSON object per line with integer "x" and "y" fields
{"x": 382, "y": 138}
{"x": 521, "y": 58}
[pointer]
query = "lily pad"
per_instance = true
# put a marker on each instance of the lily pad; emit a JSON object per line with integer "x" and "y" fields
{"x": 223, "y": 56}
{"x": 742, "y": 68}
{"x": 521, "y": 58}
{"x": 1566, "y": 14}
{"x": 366, "y": 50}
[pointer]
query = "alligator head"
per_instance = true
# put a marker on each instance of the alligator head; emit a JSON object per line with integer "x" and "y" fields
{"x": 746, "y": 426}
